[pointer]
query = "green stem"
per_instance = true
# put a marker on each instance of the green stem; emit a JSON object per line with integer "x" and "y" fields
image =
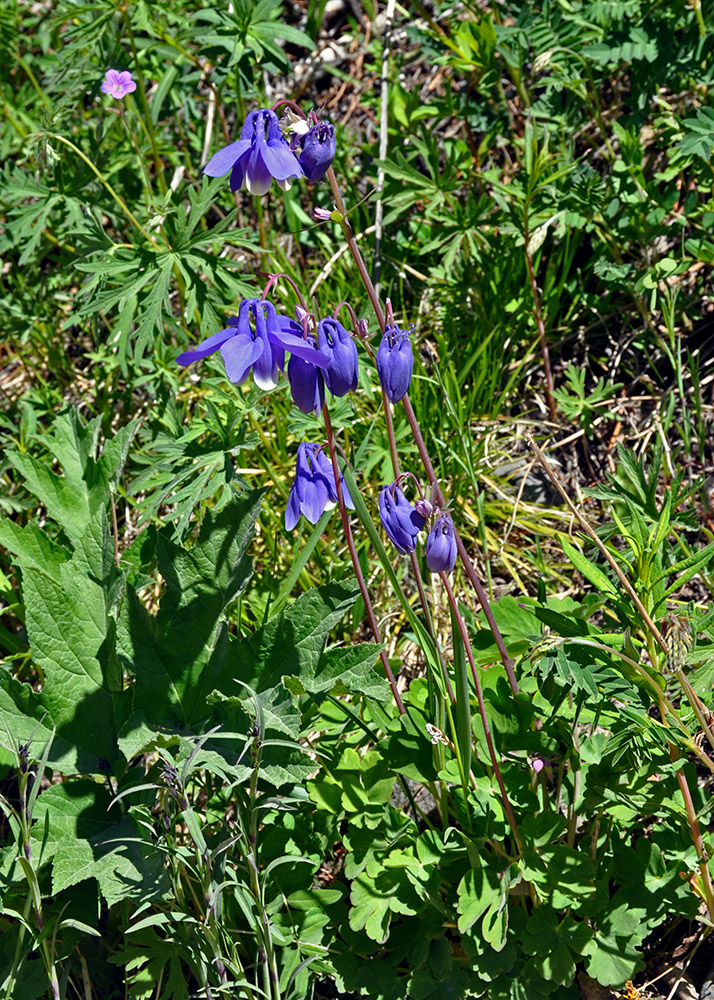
{"x": 272, "y": 976}
{"x": 538, "y": 314}
{"x": 463, "y": 631}
{"x": 33, "y": 80}
{"x": 120, "y": 202}
{"x": 147, "y": 123}
{"x": 145, "y": 172}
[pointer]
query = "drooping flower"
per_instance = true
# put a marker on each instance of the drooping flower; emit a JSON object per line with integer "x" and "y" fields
{"x": 395, "y": 362}
{"x": 257, "y": 338}
{"x": 334, "y": 341}
{"x": 260, "y": 156}
{"x": 118, "y": 84}
{"x": 400, "y": 519}
{"x": 318, "y": 151}
{"x": 314, "y": 490}
{"x": 307, "y": 384}
{"x": 441, "y": 545}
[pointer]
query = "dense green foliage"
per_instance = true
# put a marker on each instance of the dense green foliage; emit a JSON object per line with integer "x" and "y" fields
{"x": 207, "y": 786}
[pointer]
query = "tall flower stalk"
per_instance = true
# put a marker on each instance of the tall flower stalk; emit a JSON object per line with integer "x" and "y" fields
{"x": 418, "y": 437}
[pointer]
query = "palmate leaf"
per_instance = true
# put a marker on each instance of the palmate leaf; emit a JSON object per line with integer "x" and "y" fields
{"x": 177, "y": 656}
{"x": 70, "y": 592}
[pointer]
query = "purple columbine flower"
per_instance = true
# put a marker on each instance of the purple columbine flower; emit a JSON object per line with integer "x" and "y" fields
{"x": 318, "y": 151}
{"x": 118, "y": 84}
{"x": 400, "y": 519}
{"x": 260, "y": 155}
{"x": 441, "y": 546}
{"x": 307, "y": 384}
{"x": 395, "y": 362}
{"x": 334, "y": 341}
{"x": 314, "y": 490}
{"x": 257, "y": 338}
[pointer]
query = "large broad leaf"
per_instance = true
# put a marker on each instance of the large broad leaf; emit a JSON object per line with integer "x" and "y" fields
{"x": 85, "y": 838}
{"x": 177, "y": 655}
{"x": 70, "y": 591}
{"x": 251, "y": 684}
{"x": 291, "y": 644}
{"x": 352, "y": 669}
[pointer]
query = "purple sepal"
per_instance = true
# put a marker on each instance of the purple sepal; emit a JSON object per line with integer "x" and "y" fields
{"x": 260, "y": 156}
{"x": 441, "y": 546}
{"x": 318, "y": 151}
{"x": 333, "y": 340}
{"x": 400, "y": 519}
{"x": 395, "y": 362}
{"x": 306, "y": 383}
{"x": 314, "y": 486}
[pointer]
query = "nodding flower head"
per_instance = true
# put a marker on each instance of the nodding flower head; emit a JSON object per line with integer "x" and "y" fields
{"x": 334, "y": 341}
{"x": 441, "y": 545}
{"x": 314, "y": 490}
{"x": 257, "y": 338}
{"x": 400, "y": 519}
{"x": 318, "y": 151}
{"x": 307, "y": 383}
{"x": 395, "y": 362}
{"x": 118, "y": 84}
{"x": 260, "y": 156}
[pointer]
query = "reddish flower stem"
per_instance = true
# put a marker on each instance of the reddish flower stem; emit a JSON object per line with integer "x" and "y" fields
{"x": 482, "y": 711}
{"x": 355, "y": 560}
{"x": 423, "y": 453}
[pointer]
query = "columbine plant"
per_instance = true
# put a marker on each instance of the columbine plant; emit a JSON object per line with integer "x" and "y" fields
{"x": 257, "y": 339}
{"x": 314, "y": 490}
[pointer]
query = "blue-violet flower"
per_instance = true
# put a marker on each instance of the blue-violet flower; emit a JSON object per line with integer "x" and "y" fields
{"x": 318, "y": 151}
{"x": 395, "y": 362}
{"x": 441, "y": 546}
{"x": 400, "y": 519}
{"x": 256, "y": 338}
{"x": 334, "y": 341}
{"x": 307, "y": 384}
{"x": 118, "y": 84}
{"x": 259, "y": 156}
{"x": 314, "y": 490}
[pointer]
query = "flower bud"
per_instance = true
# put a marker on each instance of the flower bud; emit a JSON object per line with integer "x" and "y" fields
{"x": 423, "y": 506}
{"x": 401, "y": 521}
{"x": 318, "y": 151}
{"x": 395, "y": 362}
{"x": 333, "y": 340}
{"x": 441, "y": 546}
{"x": 306, "y": 382}
{"x": 321, "y": 214}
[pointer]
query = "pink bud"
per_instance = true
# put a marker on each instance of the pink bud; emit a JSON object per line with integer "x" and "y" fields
{"x": 423, "y": 507}
{"x": 321, "y": 214}
{"x": 538, "y": 763}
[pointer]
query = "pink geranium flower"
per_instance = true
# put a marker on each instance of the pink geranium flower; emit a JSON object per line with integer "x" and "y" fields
{"x": 118, "y": 84}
